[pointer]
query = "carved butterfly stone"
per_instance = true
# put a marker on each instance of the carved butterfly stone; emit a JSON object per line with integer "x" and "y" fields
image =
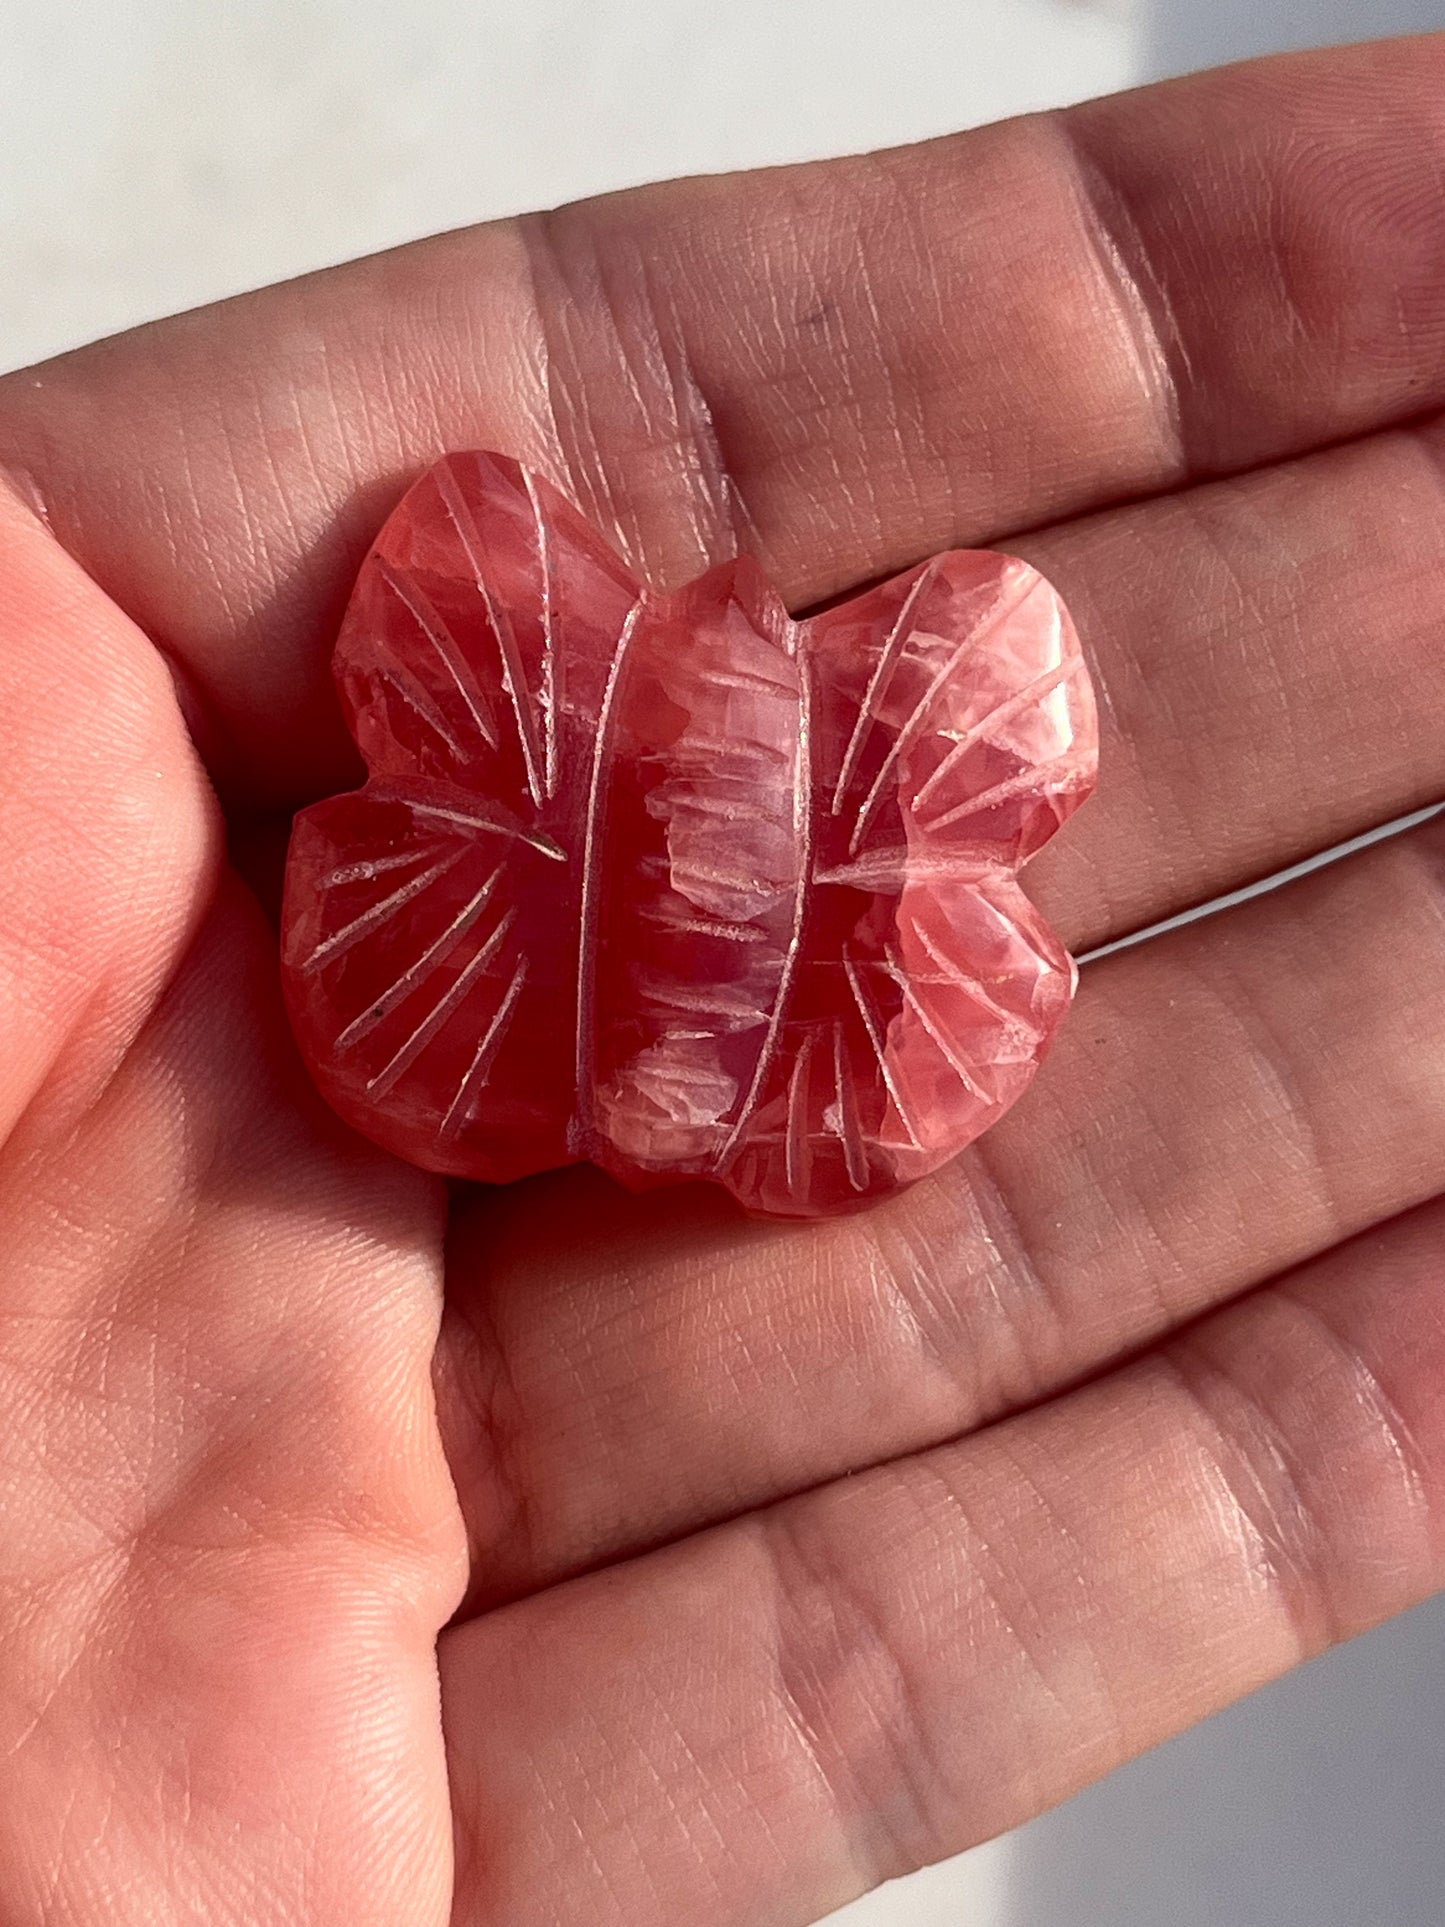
{"x": 672, "y": 882}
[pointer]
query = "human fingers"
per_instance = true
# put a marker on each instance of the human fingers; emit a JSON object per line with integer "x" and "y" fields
{"x": 766, "y": 1719}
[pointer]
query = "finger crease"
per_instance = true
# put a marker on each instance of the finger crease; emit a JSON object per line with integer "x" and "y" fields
{"x": 1274, "y": 1525}
{"x": 1146, "y": 325}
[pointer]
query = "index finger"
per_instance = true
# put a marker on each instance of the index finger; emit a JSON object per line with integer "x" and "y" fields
{"x": 841, "y": 366}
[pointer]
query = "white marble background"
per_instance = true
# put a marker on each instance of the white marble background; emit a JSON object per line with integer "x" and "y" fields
{"x": 158, "y": 153}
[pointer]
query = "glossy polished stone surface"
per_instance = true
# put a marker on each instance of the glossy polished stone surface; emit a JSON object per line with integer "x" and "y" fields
{"x": 674, "y": 883}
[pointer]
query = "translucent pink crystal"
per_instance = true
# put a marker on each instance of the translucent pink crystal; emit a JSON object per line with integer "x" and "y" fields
{"x": 674, "y": 883}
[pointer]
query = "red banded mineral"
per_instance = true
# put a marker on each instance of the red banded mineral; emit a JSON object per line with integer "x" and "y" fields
{"x": 672, "y": 882}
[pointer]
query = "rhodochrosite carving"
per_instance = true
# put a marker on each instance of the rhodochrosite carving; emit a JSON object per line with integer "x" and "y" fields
{"x": 675, "y": 883}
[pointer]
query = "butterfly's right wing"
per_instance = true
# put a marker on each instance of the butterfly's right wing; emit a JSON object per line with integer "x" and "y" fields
{"x": 952, "y": 732}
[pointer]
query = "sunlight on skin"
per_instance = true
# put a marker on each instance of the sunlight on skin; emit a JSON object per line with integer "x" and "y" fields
{"x": 785, "y": 1561}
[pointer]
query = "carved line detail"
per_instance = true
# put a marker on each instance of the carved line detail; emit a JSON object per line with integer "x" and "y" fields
{"x": 513, "y": 680}
{"x": 408, "y": 1052}
{"x": 376, "y": 914}
{"x": 450, "y": 653}
{"x": 591, "y": 882}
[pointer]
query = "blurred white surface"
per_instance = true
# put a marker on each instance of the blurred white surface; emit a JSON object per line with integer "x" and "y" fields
{"x": 159, "y": 153}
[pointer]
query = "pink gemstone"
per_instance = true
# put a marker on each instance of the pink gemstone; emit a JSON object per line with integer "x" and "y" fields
{"x": 674, "y": 883}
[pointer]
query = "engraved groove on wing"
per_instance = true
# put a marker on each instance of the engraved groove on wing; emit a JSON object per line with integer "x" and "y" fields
{"x": 960, "y": 979}
{"x": 397, "y": 993}
{"x": 748, "y": 681}
{"x": 420, "y": 703}
{"x": 1042, "y": 685}
{"x": 1004, "y": 607}
{"x": 879, "y": 680}
{"x": 797, "y": 1156}
{"x": 937, "y": 1036}
{"x": 475, "y": 820}
{"x": 367, "y": 868}
{"x": 513, "y": 679}
{"x": 462, "y": 1105}
{"x": 591, "y": 907}
{"x": 413, "y": 1046}
{"x": 726, "y": 747}
{"x": 1022, "y": 929}
{"x": 665, "y": 917}
{"x": 1033, "y": 777}
{"x": 875, "y": 1038}
{"x": 855, "y": 1156}
{"x": 733, "y": 1013}
{"x": 376, "y": 914}
{"x": 731, "y": 809}
{"x": 547, "y": 694}
{"x": 452, "y": 657}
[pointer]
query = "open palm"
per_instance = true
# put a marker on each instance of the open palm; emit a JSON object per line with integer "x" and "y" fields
{"x": 579, "y": 1557}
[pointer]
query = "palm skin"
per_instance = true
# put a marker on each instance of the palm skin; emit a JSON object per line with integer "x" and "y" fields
{"x": 567, "y": 1556}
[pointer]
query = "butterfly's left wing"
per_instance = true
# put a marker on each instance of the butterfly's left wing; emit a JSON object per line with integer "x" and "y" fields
{"x": 431, "y": 922}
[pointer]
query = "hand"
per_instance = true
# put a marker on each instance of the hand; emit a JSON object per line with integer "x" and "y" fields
{"x": 758, "y": 1564}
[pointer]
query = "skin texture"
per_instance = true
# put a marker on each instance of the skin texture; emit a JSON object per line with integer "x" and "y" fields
{"x": 576, "y": 1557}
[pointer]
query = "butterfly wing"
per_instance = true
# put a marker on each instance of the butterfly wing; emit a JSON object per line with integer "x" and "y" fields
{"x": 430, "y": 922}
{"x": 952, "y": 731}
